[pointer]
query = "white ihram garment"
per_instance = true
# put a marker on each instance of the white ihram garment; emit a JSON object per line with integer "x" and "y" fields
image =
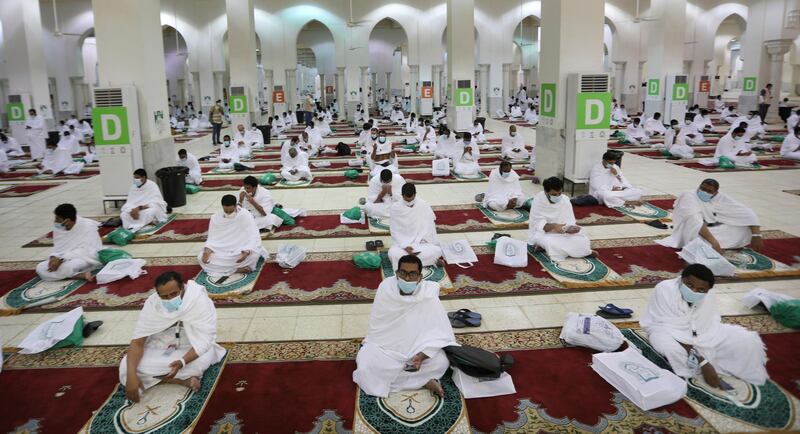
{"x": 415, "y": 227}
{"x": 557, "y": 245}
{"x": 148, "y": 194}
{"x": 264, "y": 198}
{"x": 382, "y": 209}
{"x": 602, "y": 183}
{"x": 78, "y": 249}
{"x": 298, "y": 163}
{"x": 228, "y": 237}
{"x": 195, "y": 173}
{"x": 502, "y": 189}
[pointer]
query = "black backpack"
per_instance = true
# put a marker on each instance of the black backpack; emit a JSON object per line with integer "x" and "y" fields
{"x": 585, "y": 200}
{"x": 342, "y": 149}
{"x": 477, "y": 362}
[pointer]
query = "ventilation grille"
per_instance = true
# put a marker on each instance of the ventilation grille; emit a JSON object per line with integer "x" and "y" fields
{"x": 278, "y": 87}
{"x": 594, "y": 83}
{"x": 108, "y": 97}
{"x": 427, "y": 83}
{"x": 464, "y": 84}
{"x": 14, "y": 98}
{"x": 703, "y": 77}
{"x": 237, "y": 90}
{"x": 680, "y": 79}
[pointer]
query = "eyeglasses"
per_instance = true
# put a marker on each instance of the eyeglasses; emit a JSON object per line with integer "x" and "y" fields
{"x": 413, "y": 275}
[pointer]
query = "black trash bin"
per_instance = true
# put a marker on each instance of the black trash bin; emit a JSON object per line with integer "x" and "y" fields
{"x": 265, "y": 131}
{"x": 481, "y": 121}
{"x": 173, "y": 185}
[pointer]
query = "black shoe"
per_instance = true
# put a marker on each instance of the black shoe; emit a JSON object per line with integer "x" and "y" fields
{"x": 91, "y": 327}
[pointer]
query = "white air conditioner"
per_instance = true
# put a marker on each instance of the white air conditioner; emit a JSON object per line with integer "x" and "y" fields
{"x": 18, "y": 127}
{"x": 588, "y": 106}
{"x": 700, "y": 98}
{"x": 676, "y": 97}
{"x": 119, "y": 149}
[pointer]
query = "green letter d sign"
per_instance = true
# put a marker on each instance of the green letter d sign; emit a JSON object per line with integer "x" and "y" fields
{"x": 653, "y": 87}
{"x": 238, "y": 104}
{"x": 110, "y": 125}
{"x": 16, "y": 111}
{"x": 680, "y": 92}
{"x": 594, "y": 110}
{"x": 548, "y": 107}
{"x": 749, "y": 84}
{"x": 463, "y": 97}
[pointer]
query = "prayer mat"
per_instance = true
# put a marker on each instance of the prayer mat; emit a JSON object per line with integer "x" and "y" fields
{"x": 58, "y": 399}
{"x": 25, "y": 190}
{"x": 476, "y": 177}
{"x": 751, "y": 264}
{"x": 378, "y": 225}
{"x": 164, "y": 408}
{"x": 294, "y": 184}
{"x": 234, "y": 285}
{"x": 413, "y": 411}
{"x": 645, "y": 212}
{"x": 434, "y": 273}
{"x": 37, "y": 292}
{"x": 763, "y": 164}
{"x": 151, "y": 228}
{"x": 507, "y": 218}
{"x": 746, "y": 408}
{"x": 588, "y": 272}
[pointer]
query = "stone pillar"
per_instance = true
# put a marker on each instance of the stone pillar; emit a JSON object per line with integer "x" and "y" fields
{"x": 619, "y": 80}
{"x": 218, "y": 85}
{"x": 460, "y": 61}
{"x": 507, "y": 83}
{"x": 340, "y": 88}
{"x": 389, "y": 86}
{"x": 242, "y": 55}
{"x": 374, "y": 85}
{"x": 25, "y": 64}
{"x": 366, "y": 85}
{"x": 665, "y": 50}
{"x": 777, "y": 49}
{"x": 414, "y": 88}
{"x": 206, "y": 90}
{"x": 437, "y": 85}
{"x": 290, "y": 92}
{"x": 269, "y": 84}
{"x": 483, "y": 86}
{"x": 323, "y": 95}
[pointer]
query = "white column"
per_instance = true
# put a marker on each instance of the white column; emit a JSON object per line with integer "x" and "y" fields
{"x": 776, "y": 49}
{"x": 619, "y": 80}
{"x": 242, "y": 55}
{"x": 290, "y": 92}
{"x": 665, "y": 47}
{"x": 437, "y": 85}
{"x": 414, "y": 88}
{"x": 340, "y": 89}
{"x": 460, "y": 59}
{"x": 507, "y": 84}
{"x": 206, "y": 90}
{"x": 366, "y": 89}
{"x": 323, "y": 94}
{"x": 269, "y": 83}
{"x": 389, "y": 86}
{"x": 484, "y": 89}
{"x": 23, "y": 50}
{"x": 374, "y": 86}
{"x": 218, "y": 85}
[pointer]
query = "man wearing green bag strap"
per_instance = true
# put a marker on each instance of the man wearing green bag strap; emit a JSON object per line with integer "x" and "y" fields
{"x": 75, "y": 246}
{"x": 258, "y": 201}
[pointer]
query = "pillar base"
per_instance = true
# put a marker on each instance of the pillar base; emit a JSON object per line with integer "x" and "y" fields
{"x": 631, "y": 101}
{"x": 495, "y": 103}
{"x": 747, "y": 103}
{"x": 158, "y": 154}
{"x": 651, "y": 107}
{"x": 550, "y": 153}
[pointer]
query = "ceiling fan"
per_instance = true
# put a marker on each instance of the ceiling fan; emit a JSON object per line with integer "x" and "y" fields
{"x": 351, "y": 22}
{"x": 56, "y": 28}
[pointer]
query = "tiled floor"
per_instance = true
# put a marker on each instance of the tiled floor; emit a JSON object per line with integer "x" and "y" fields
{"x": 28, "y": 218}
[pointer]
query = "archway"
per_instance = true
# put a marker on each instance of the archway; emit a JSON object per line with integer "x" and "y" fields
{"x": 525, "y": 68}
{"x": 388, "y": 60}
{"x": 727, "y": 60}
{"x": 179, "y": 83}
{"x": 316, "y": 61}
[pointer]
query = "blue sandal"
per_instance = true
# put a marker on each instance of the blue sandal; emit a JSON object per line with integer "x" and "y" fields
{"x": 614, "y": 310}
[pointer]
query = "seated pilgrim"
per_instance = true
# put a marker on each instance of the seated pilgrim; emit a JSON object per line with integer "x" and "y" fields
{"x": 295, "y": 166}
{"x": 715, "y": 217}
{"x": 277, "y": 126}
{"x": 791, "y": 145}
{"x": 619, "y": 115}
{"x": 383, "y": 191}
{"x": 413, "y": 229}
{"x": 411, "y": 123}
{"x": 426, "y": 136}
{"x": 4, "y": 166}
{"x": 287, "y": 119}
{"x": 512, "y": 146}
{"x": 59, "y": 160}
{"x": 408, "y": 329}
{"x": 683, "y": 324}
{"x": 654, "y": 126}
{"x": 257, "y": 200}
{"x": 254, "y": 137}
{"x": 189, "y": 161}
{"x": 467, "y": 156}
{"x": 10, "y": 146}
{"x": 609, "y": 186}
{"x": 228, "y": 154}
{"x": 314, "y": 139}
{"x": 241, "y": 143}
{"x": 397, "y": 116}
{"x": 754, "y": 129}
{"x": 324, "y": 127}
{"x": 675, "y": 143}
{"x": 693, "y": 132}
{"x": 477, "y": 132}
{"x": 233, "y": 244}
{"x": 194, "y": 125}
{"x": 733, "y": 147}
{"x": 69, "y": 142}
{"x": 446, "y": 145}
{"x": 75, "y": 246}
{"x": 174, "y": 340}
{"x": 504, "y": 190}
{"x": 515, "y": 112}
{"x": 552, "y": 225}
{"x": 531, "y": 117}
{"x": 382, "y": 155}
{"x": 145, "y": 204}
{"x": 203, "y": 120}
{"x": 729, "y": 115}
{"x": 635, "y": 134}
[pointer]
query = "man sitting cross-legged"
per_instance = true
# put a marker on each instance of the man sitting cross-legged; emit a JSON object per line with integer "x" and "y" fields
{"x": 408, "y": 327}
{"x": 609, "y": 186}
{"x": 75, "y": 246}
{"x": 413, "y": 229}
{"x": 295, "y": 166}
{"x": 174, "y": 340}
{"x": 504, "y": 191}
{"x": 382, "y": 192}
{"x": 258, "y": 201}
{"x": 145, "y": 204}
{"x": 552, "y": 224}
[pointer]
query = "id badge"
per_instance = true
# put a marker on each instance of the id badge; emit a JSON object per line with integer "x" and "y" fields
{"x": 169, "y": 351}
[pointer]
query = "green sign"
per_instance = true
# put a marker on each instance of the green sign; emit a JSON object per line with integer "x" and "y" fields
{"x": 110, "y": 125}
{"x": 594, "y": 110}
{"x": 16, "y": 111}
{"x": 464, "y": 97}
{"x": 548, "y": 100}
{"x": 680, "y": 92}
{"x": 238, "y": 103}
{"x": 653, "y": 87}
{"x": 749, "y": 84}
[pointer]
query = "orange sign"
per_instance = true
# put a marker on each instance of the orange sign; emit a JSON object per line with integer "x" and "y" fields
{"x": 427, "y": 91}
{"x": 278, "y": 97}
{"x": 328, "y": 89}
{"x": 705, "y": 86}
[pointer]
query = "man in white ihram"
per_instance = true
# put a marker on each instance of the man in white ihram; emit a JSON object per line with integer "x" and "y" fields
{"x": 75, "y": 246}
{"x": 233, "y": 244}
{"x": 413, "y": 229}
{"x": 683, "y": 323}
{"x": 408, "y": 329}
{"x": 382, "y": 192}
{"x": 189, "y": 161}
{"x": 504, "y": 190}
{"x": 609, "y": 186}
{"x": 174, "y": 340}
{"x": 552, "y": 225}
{"x": 145, "y": 204}
{"x": 37, "y": 134}
{"x": 257, "y": 200}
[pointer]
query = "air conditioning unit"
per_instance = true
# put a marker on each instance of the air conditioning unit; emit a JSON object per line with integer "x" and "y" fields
{"x": 702, "y": 88}
{"x": 460, "y": 116}
{"x": 676, "y": 97}
{"x": 588, "y": 106}
{"x": 118, "y": 137}
{"x": 18, "y": 114}
{"x": 240, "y": 105}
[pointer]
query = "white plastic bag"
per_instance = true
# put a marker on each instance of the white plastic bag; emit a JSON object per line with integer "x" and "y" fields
{"x": 698, "y": 251}
{"x": 472, "y": 387}
{"x": 511, "y": 252}
{"x": 120, "y": 269}
{"x": 591, "y": 331}
{"x": 50, "y": 332}
{"x": 441, "y": 167}
{"x": 458, "y": 253}
{"x": 761, "y": 295}
{"x": 290, "y": 255}
{"x": 355, "y": 163}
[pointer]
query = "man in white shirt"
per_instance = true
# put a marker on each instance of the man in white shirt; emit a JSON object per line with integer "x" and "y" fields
{"x": 257, "y": 200}
{"x": 244, "y": 147}
{"x": 733, "y": 147}
{"x": 295, "y": 166}
{"x": 413, "y": 229}
{"x": 513, "y": 147}
{"x": 382, "y": 155}
{"x": 382, "y": 192}
{"x": 465, "y": 162}
{"x": 228, "y": 154}
{"x": 504, "y": 190}
{"x": 790, "y": 148}
{"x": 233, "y": 244}
{"x": 635, "y": 134}
{"x": 145, "y": 204}
{"x": 654, "y": 126}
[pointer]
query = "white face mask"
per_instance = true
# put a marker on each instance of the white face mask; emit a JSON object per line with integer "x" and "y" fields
{"x": 505, "y": 174}
{"x": 137, "y": 182}
{"x": 382, "y": 139}
{"x": 554, "y": 199}
{"x": 231, "y": 215}
{"x": 513, "y": 134}
{"x": 410, "y": 203}
{"x": 227, "y": 143}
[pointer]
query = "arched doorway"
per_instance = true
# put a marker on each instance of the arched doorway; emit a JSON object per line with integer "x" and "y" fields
{"x": 179, "y": 83}
{"x": 316, "y": 61}
{"x": 525, "y": 68}
{"x": 727, "y": 60}
{"x": 388, "y": 60}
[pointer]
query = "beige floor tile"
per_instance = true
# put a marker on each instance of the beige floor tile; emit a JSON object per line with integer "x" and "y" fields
{"x": 232, "y": 330}
{"x": 270, "y": 329}
{"x": 505, "y": 318}
{"x": 355, "y": 325}
{"x": 276, "y": 311}
{"x": 548, "y": 315}
{"x": 236, "y": 312}
{"x": 318, "y": 327}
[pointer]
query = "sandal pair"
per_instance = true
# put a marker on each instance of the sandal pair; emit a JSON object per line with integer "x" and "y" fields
{"x": 464, "y": 318}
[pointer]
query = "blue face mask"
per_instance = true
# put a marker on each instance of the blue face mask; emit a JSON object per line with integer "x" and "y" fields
{"x": 554, "y": 199}
{"x": 689, "y": 295}
{"x": 173, "y": 304}
{"x": 59, "y": 226}
{"x": 406, "y": 288}
{"x": 704, "y": 195}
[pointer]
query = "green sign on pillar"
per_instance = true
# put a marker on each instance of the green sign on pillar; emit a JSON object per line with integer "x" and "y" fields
{"x": 464, "y": 97}
{"x": 593, "y": 111}
{"x": 548, "y": 100}
{"x": 238, "y": 103}
{"x": 749, "y": 84}
{"x": 110, "y": 125}
{"x": 680, "y": 92}
{"x": 16, "y": 111}
{"x": 653, "y": 87}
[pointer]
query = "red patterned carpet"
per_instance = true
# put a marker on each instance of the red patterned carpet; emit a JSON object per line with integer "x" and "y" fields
{"x": 30, "y": 175}
{"x": 26, "y": 190}
{"x": 766, "y": 164}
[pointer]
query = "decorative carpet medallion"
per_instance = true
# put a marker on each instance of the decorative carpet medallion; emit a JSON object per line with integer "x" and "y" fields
{"x": 379, "y": 225}
{"x": 433, "y": 274}
{"x": 588, "y": 272}
{"x": 287, "y": 183}
{"x": 328, "y": 423}
{"x": 505, "y": 217}
{"x": 751, "y": 264}
{"x": 644, "y": 212}
{"x": 228, "y": 424}
{"x": 163, "y": 409}
{"x": 236, "y": 284}
{"x": 36, "y": 292}
{"x": 747, "y": 408}
{"x": 476, "y": 177}
{"x": 30, "y": 427}
{"x": 412, "y": 411}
